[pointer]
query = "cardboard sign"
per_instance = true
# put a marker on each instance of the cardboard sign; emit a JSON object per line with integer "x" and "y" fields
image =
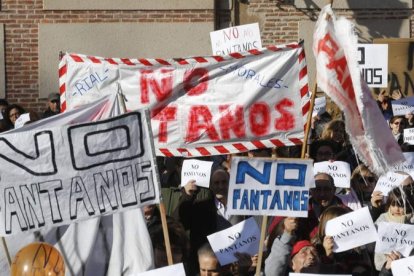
{"x": 171, "y": 270}
{"x": 403, "y": 266}
{"x": 338, "y": 75}
{"x": 236, "y": 39}
{"x": 403, "y": 106}
{"x": 409, "y": 136}
{"x": 389, "y": 181}
{"x": 395, "y": 237}
{"x": 351, "y": 230}
{"x": 270, "y": 187}
{"x": 197, "y": 170}
{"x": 24, "y": 118}
{"x": 203, "y": 105}
{"x": 319, "y": 107}
{"x": 243, "y": 237}
{"x": 58, "y": 175}
{"x": 340, "y": 172}
{"x": 373, "y": 63}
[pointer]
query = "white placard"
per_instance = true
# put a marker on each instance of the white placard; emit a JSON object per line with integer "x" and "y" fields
{"x": 351, "y": 230}
{"x": 407, "y": 165}
{"x": 403, "y": 267}
{"x": 24, "y": 118}
{"x": 409, "y": 136}
{"x": 373, "y": 63}
{"x": 395, "y": 236}
{"x": 173, "y": 270}
{"x": 260, "y": 186}
{"x": 403, "y": 106}
{"x": 319, "y": 107}
{"x": 243, "y": 237}
{"x": 236, "y": 39}
{"x": 197, "y": 170}
{"x": 389, "y": 181}
{"x": 339, "y": 170}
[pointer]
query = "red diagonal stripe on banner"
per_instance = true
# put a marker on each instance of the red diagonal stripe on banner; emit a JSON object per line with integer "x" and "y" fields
{"x": 76, "y": 58}
{"x": 184, "y": 152}
{"x": 255, "y": 52}
{"x": 304, "y": 90}
{"x": 296, "y": 141}
{"x": 218, "y": 58}
{"x": 277, "y": 142}
{"x": 203, "y": 151}
{"x": 181, "y": 61}
{"x": 111, "y": 61}
{"x": 62, "y": 70}
{"x": 301, "y": 55}
{"x": 162, "y": 61}
{"x": 94, "y": 59}
{"x": 145, "y": 62}
{"x": 200, "y": 59}
{"x": 62, "y": 89}
{"x": 166, "y": 152}
{"x": 303, "y": 73}
{"x": 221, "y": 149}
{"x": 63, "y": 107}
{"x": 273, "y": 48}
{"x": 240, "y": 147}
{"x": 305, "y": 108}
{"x": 293, "y": 46}
{"x": 258, "y": 144}
{"x": 127, "y": 61}
{"x": 236, "y": 55}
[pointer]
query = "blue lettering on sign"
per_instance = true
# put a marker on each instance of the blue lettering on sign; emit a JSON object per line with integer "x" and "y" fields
{"x": 244, "y": 168}
{"x": 84, "y": 85}
{"x": 281, "y": 179}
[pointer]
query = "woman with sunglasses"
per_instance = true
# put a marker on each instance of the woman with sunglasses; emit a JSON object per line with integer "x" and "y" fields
{"x": 397, "y": 125}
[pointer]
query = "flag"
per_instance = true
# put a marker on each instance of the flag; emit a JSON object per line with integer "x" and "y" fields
{"x": 335, "y": 50}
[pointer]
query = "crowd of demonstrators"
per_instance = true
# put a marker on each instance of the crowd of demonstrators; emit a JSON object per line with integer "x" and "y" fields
{"x": 11, "y": 112}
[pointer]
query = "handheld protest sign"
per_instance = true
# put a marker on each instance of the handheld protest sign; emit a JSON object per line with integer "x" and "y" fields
{"x": 270, "y": 187}
{"x": 403, "y": 106}
{"x": 373, "y": 62}
{"x": 395, "y": 237}
{"x": 389, "y": 181}
{"x": 409, "y": 136}
{"x": 351, "y": 230}
{"x": 171, "y": 270}
{"x": 319, "y": 107}
{"x": 197, "y": 170}
{"x": 243, "y": 237}
{"x": 403, "y": 266}
{"x": 24, "y": 118}
{"x": 340, "y": 172}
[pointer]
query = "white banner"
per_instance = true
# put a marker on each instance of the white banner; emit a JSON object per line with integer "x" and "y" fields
{"x": 236, "y": 39}
{"x": 403, "y": 266}
{"x": 373, "y": 62}
{"x": 403, "y": 106}
{"x": 340, "y": 172}
{"x": 395, "y": 237}
{"x": 244, "y": 237}
{"x": 59, "y": 175}
{"x": 351, "y": 230}
{"x": 270, "y": 187}
{"x": 203, "y": 105}
{"x": 338, "y": 74}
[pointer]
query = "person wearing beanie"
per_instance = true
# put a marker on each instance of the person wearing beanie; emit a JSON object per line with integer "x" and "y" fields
{"x": 53, "y": 105}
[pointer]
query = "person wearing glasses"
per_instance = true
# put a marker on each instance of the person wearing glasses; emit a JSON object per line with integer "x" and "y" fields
{"x": 397, "y": 125}
{"x": 53, "y": 105}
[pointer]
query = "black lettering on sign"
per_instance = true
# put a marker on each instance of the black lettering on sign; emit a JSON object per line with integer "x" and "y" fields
{"x": 146, "y": 187}
{"x": 347, "y": 223}
{"x": 39, "y": 163}
{"x": 51, "y": 188}
{"x": 32, "y": 205}
{"x": 362, "y": 55}
{"x": 105, "y": 190}
{"x": 12, "y": 207}
{"x": 126, "y": 186}
{"x": 108, "y": 141}
{"x": 78, "y": 193}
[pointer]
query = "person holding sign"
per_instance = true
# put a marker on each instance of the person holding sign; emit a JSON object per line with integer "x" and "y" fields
{"x": 399, "y": 209}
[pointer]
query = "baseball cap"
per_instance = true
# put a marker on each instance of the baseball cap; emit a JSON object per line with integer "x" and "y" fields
{"x": 54, "y": 97}
{"x": 298, "y": 246}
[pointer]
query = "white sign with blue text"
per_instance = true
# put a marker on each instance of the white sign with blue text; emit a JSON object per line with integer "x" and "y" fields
{"x": 270, "y": 187}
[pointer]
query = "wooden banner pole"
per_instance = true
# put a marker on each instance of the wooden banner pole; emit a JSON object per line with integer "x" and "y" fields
{"x": 6, "y": 250}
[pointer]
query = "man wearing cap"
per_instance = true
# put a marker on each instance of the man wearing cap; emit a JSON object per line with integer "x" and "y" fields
{"x": 53, "y": 105}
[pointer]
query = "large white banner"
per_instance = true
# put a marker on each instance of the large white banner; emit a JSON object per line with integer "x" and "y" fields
{"x": 59, "y": 175}
{"x": 338, "y": 74}
{"x": 203, "y": 105}
{"x": 270, "y": 187}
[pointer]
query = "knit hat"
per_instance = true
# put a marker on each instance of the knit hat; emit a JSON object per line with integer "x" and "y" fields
{"x": 298, "y": 246}
{"x": 53, "y": 97}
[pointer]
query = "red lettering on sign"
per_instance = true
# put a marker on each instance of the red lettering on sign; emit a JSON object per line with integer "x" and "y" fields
{"x": 259, "y": 118}
{"x": 167, "y": 114}
{"x": 200, "y": 75}
{"x": 232, "y": 120}
{"x": 286, "y": 120}
{"x": 200, "y": 121}
{"x": 160, "y": 82}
